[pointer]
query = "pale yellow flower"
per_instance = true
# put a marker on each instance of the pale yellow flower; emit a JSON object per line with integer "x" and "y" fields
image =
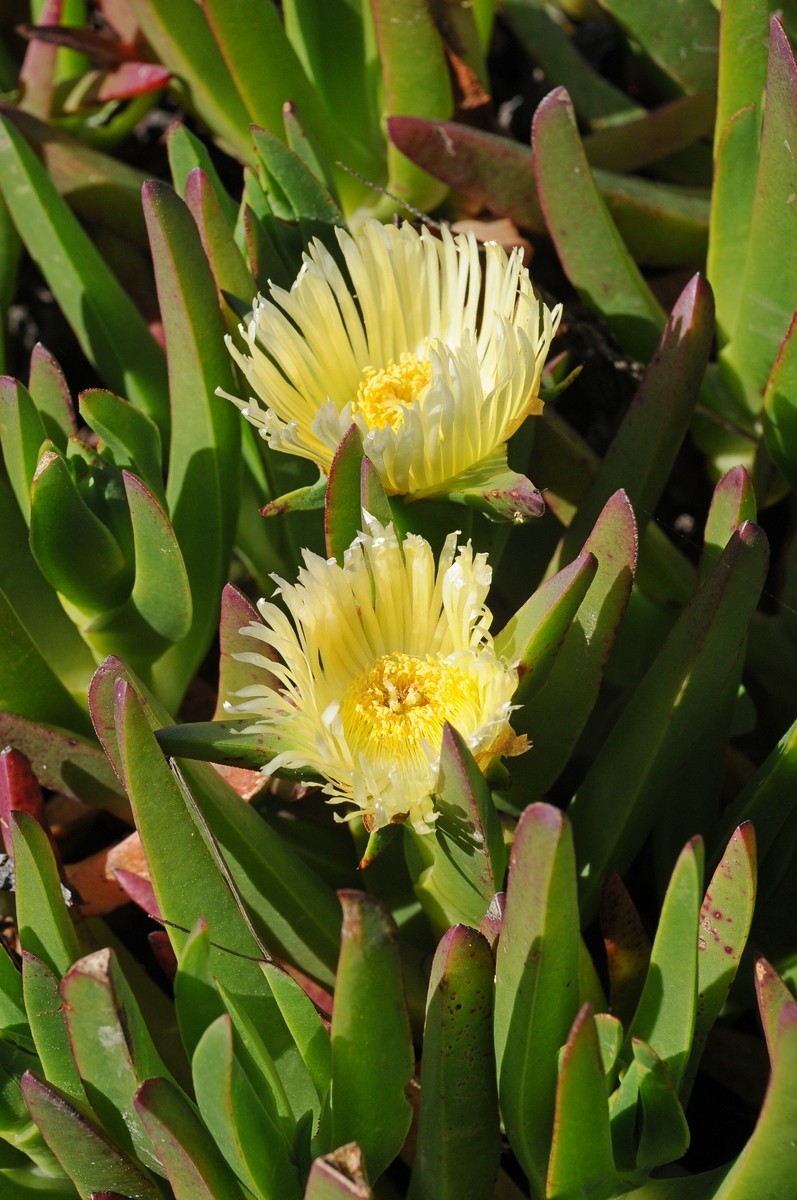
{"x": 379, "y": 654}
{"x": 436, "y": 362}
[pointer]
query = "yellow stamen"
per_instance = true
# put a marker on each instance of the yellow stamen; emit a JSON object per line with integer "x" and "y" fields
{"x": 389, "y": 710}
{"x": 384, "y": 394}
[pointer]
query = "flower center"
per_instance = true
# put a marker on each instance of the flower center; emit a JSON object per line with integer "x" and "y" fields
{"x": 383, "y": 395}
{"x": 399, "y": 703}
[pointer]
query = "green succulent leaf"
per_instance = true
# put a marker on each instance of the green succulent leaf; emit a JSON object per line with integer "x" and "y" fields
{"x": 22, "y": 433}
{"x": 343, "y": 518}
{"x": 305, "y": 1025}
{"x": 189, "y": 1156}
{"x": 732, "y": 504}
{"x": 536, "y": 982}
{"x": 581, "y": 1154}
{"x": 651, "y": 135}
{"x": 128, "y": 434}
{"x": 231, "y": 273}
{"x": 202, "y": 491}
{"x": 772, "y": 994}
{"x": 732, "y": 198}
{"x": 50, "y": 394}
{"x": 670, "y": 706}
{"x": 13, "y": 1014}
{"x": 48, "y": 1027}
{"x": 372, "y": 1058}
{"x": 253, "y": 1146}
{"x": 112, "y": 1048}
{"x": 111, "y": 331}
{"x": 45, "y": 926}
{"x": 311, "y": 204}
{"x": 459, "y": 1144}
{"x": 186, "y": 152}
{"x": 225, "y": 742}
{"x": 589, "y": 244}
{"x": 87, "y": 1155}
{"x": 683, "y": 41}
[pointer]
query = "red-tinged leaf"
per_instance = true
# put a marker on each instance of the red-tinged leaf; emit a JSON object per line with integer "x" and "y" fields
{"x": 670, "y": 708}
{"x": 238, "y": 611}
{"x": 229, "y": 270}
{"x": 591, "y": 250}
{"x": 725, "y": 919}
{"x": 459, "y": 1139}
{"x": 670, "y": 127}
{"x": 37, "y": 75}
{"x": 780, "y": 407}
{"x": 493, "y": 171}
{"x": 86, "y": 1153}
{"x": 536, "y": 982}
{"x": 66, "y": 763}
{"x": 772, "y": 994}
{"x": 139, "y": 889}
{"x": 339, "y": 1176}
{"x": 768, "y": 291}
{"x": 50, "y": 394}
{"x": 643, "y": 451}
{"x": 343, "y": 518}
{"x": 627, "y": 948}
{"x": 202, "y": 489}
{"x": 100, "y": 48}
{"x": 372, "y": 1056}
{"x": 732, "y": 504}
{"x": 164, "y": 953}
{"x": 554, "y": 718}
{"x": 190, "y": 1158}
{"x": 581, "y": 1155}
{"x": 767, "y": 1164}
{"x": 20, "y": 792}
{"x": 132, "y": 79}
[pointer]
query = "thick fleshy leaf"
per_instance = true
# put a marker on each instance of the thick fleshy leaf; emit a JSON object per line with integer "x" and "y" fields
{"x": 665, "y": 1015}
{"x": 627, "y": 948}
{"x": 50, "y": 393}
{"x": 238, "y": 611}
{"x": 110, "y": 329}
{"x": 459, "y": 1143}
{"x": 230, "y": 272}
{"x": 186, "y": 152}
{"x": 767, "y": 1163}
{"x": 416, "y": 81}
{"x": 732, "y": 198}
{"x": 372, "y": 1057}
{"x": 662, "y": 131}
{"x": 547, "y": 43}
{"x": 86, "y": 1154}
{"x": 534, "y": 636}
{"x": 492, "y": 488}
{"x": 591, "y": 250}
{"x": 780, "y": 407}
{"x": 112, "y": 1048}
{"x": 768, "y": 294}
{"x": 313, "y": 207}
{"x": 343, "y": 518}
{"x": 22, "y": 432}
{"x": 131, "y": 437}
{"x": 643, "y": 451}
{"x": 309, "y": 498}
{"x": 772, "y": 994}
{"x": 581, "y": 1154}
{"x": 744, "y": 43}
{"x": 77, "y": 553}
{"x": 45, "y": 926}
{"x": 670, "y": 707}
{"x": 684, "y": 42}
{"x": 536, "y": 982}
{"x": 469, "y": 856}
{"x": 191, "y": 1159}
{"x": 648, "y": 1124}
{"x": 373, "y": 498}
{"x": 29, "y": 687}
{"x": 202, "y": 491}
{"x": 554, "y": 718}
{"x": 48, "y": 1027}
{"x": 252, "y": 1144}
{"x": 725, "y": 919}
{"x": 20, "y": 792}
{"x": 732, "y": 504}
{"x": 12, "y": 1003}
{"x": 66, "y": 763}
{"x": 306, "y": 1027}
{"x": 225, "y": 742}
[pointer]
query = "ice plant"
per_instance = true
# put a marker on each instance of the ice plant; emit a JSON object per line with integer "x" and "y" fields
{"x": 436, "y": 360}
{"x": 381, "y": 653}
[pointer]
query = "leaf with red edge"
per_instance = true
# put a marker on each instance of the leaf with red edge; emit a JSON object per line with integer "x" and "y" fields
{"x": 732, "y": 504}
{"x": 50, "y": 394}
{"x": 238, "y": 611}
{"x": 37, "y": 75}
{"x": 20, "y": 792}
{"x": 589, "y": 245}
{"x": 627, "y": 947}
{"x": 130, "y": 79}
{"x": 230, "y": 272}
{"x": 772, "y": 994}
{"x": 339, "y": 1176}
{"x": 343, "y": 518}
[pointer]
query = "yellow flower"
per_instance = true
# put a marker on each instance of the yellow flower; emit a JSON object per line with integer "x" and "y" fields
{"x": 380, "y": 653}
{"x": 436, "y": 364}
